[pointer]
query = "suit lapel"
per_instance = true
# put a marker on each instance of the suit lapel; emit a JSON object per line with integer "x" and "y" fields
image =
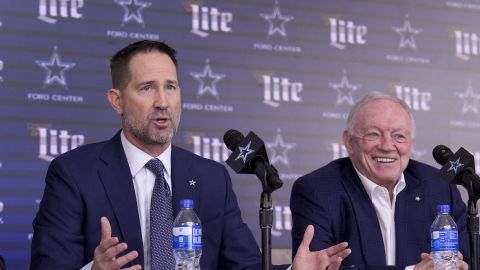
{"x": 408, "y": 209}
{"x": 117, "y": 180}
{"x": 366, "y": 218}
{"x": 184, "y": 183}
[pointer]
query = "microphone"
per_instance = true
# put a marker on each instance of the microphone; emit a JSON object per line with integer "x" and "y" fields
{"x": 458, "y": 168}
{"x": 250, "y": 157}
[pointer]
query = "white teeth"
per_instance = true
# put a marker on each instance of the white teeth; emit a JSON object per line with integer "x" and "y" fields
{"x": 384, "y": 160}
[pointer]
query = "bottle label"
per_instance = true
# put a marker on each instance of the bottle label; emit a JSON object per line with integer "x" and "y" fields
{"x": 189, "y": 237}
{"x": 444, "y": 240}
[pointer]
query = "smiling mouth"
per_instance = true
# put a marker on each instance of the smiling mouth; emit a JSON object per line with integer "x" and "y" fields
{"x": 384, "y": 159}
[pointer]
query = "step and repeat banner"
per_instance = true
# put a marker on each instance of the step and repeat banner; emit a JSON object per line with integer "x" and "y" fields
{"x": 290, "y": 70}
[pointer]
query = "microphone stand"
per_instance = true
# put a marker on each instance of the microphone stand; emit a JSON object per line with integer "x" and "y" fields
{"x": 472, "y": 218}
{"x": 266, "y": 221}
{"x": 266, "y": 212}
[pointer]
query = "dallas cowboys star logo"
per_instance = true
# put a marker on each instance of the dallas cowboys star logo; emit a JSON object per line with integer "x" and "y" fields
{"x": 469, "y": 99}
{"x": 454, "y": 165}
{"x": 244, "y": 152}
{"x": 208, "y": 80}
{"x": 133, "y": 10}
{"x": 55, "y": 69}
{"x": 407, "y": 33}
{"x": 279, "y": 149}
{"x": 276, "y": 21}
{"x": 345, "y": 90}
{"x": 192, "y": 182}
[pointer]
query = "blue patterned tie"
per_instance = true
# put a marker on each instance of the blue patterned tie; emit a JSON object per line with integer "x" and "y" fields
{"x": 161, "y": 220}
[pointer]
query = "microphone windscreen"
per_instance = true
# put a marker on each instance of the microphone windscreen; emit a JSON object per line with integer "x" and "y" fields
{"x": 441, "y": 154}
{"x": 232, "y": 139}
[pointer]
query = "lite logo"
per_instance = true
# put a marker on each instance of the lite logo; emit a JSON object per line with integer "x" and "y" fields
{"x": 53, "y": 142}
{"x": 416, "y": 100}
{"x": 50, "y": 10}
{"x": 339, "y": 151}
{"x": 467, "y": 44}
{"x": 346, "y": 32}
{"x": 278, "y": 90}
{"x": 282, "y": 220}
{"x": 205, "y": 19}
{"x": 211, "y": 148}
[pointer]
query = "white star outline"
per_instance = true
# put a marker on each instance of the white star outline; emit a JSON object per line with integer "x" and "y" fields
{"x": 276, "y": 21}
{"x": 137, "y": 14}
{"x": 244, "y": 152}
{"x": 470, "y": 99}
{"x": 345, "y": 89}
{"x": 407, "y": 33}
{"x": 280, "y": 155}
{"x": 454, "y": 165}
{"x": 208, "y": 80}
{"x": 55, "y": 62}
{"x": 192, "y": 182}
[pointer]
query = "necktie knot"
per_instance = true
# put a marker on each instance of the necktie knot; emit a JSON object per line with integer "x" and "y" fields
{"x": 156, "y": 167}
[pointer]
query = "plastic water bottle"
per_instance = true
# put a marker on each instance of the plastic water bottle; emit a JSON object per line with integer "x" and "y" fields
{"x": 187, "y": 237}
{"x": 444, "y": 234}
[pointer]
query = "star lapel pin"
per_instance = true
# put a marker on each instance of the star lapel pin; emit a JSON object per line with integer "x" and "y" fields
{"x": 192, "y": 182}
{"x": 417, "y": 198}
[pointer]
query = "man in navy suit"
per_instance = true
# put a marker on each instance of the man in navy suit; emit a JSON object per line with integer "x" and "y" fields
{"x": 95, "y": 211}
{"x": 378, "y": 200}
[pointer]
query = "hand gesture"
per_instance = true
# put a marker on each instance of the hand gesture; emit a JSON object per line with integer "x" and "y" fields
{"x": 109, "y": 247}
{"x": 330, "y": 258}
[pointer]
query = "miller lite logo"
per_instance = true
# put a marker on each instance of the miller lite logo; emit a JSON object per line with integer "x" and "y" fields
{"x": 207, "y": 19}
{"x": 50, "y": 10}
{"x": 53, "y": 142}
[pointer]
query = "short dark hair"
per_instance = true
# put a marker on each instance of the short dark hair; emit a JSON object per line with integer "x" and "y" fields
{"x": 120, "y": 61}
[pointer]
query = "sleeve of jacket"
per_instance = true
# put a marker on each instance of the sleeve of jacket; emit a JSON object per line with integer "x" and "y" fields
{"x": 57, "y": 240}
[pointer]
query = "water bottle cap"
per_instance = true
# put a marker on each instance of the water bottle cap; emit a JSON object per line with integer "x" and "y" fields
{"x": 186, "y": 203}
{"x": 443, "y": 208}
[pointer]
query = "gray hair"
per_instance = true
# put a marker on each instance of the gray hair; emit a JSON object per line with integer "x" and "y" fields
{"x": 372, "y": 96}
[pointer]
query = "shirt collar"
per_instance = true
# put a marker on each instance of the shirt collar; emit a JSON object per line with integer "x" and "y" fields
{"x": 137, "y": 158}
{"x": 370, "y": 186}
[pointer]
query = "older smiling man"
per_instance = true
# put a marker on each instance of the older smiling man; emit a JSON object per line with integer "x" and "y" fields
{"x": 378, "y": 200}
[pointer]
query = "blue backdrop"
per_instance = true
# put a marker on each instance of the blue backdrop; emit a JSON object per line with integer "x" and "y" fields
{"x": 289, "y": 69}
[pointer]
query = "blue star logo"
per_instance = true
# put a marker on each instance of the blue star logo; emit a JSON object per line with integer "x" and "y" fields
{"x": 279, "y": 149}
{"x": 55, "y": 69}
{"x": 454, "y": 165}
{"x": 133, "y": 10}
{"x": 345, "y": 90}
{"x": 470, "y": 99}
{"x": 277, "y": 21}
{"x": 407, "y": 33}
{"x": 208, "y": 80}
{"x": 244, "y": 152}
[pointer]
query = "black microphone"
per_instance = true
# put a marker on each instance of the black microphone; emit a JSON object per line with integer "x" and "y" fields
{"x": 250, "y": 157}
{"x": 458, "y": 168}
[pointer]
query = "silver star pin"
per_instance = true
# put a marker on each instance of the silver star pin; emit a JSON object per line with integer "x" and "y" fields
{"x": 192, "y": 182}
{"x": 417, "y": 198}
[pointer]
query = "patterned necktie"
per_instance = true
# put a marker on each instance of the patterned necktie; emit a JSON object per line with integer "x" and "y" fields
{"x": 161, "y": 220}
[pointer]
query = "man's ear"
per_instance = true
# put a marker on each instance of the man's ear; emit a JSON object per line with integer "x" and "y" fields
{"x": 347, "y": 141}
{"x": 115, "y": 98}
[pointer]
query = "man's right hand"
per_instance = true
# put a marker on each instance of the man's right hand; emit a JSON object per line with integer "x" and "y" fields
{"x": 109, "y": 247}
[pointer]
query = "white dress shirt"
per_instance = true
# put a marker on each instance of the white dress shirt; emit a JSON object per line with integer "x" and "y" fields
{"x": 385, "y": 209}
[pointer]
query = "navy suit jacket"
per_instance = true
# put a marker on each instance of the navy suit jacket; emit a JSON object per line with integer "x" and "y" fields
{"x": 334, "y": 200}
{"x": 95, "y": 180}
